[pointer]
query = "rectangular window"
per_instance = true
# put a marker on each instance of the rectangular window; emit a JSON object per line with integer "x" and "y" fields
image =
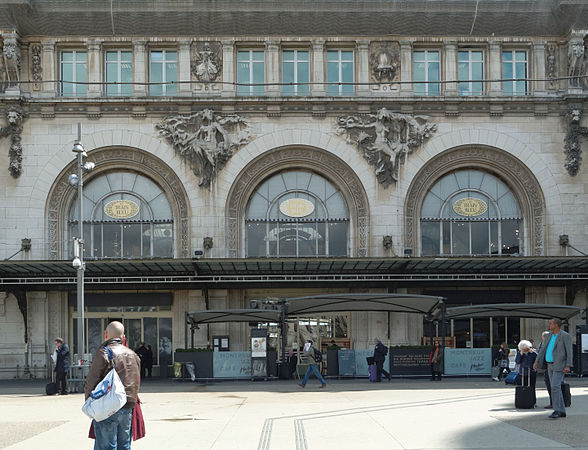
{"x": 119, "y": 69}
{"x": 295, "y": 69}
{"x": 514, "y": 67}
{"x": 250, "y": 71}
{"x": 163, "y": 69}
{"x": 426, "y": 68}
{"x": 470, "y": 72}
{"x": 74, "y": 70}
{"x": 340, "y": 70}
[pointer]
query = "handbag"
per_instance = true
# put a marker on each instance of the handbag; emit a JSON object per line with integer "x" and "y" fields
{"x": 108, "y": 396}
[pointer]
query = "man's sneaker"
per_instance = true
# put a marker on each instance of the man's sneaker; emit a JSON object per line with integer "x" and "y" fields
{"x": 548, "y": 407}
{"x": 495, "y": 379}
{"x": 301, "y": 385}
{"x": 323, "y": 386}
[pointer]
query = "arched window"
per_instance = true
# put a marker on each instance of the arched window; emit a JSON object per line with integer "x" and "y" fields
{"x": 296, "y": 213}
{"x": 126, "y": 215}
{"x": 470, "y": 212}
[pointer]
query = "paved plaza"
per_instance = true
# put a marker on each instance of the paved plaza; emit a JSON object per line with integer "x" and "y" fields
{"x": 348, "y": 414}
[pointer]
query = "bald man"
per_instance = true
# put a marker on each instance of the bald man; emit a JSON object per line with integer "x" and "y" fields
{"x": 115, "y": 432}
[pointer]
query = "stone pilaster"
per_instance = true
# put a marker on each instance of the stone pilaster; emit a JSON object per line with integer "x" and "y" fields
{"x": 406, "y": 89}
{"x": 317, "y": 89}
{"x": 228, "y": 89}
{"x": 94, "y": 78}
{"x": 450, "y": 53}
{"x": 272, "y": 67}
{"x": 184, "y": 88}
{"x": 139, "y": 68}
{"x": 363, "y": 67}
{"x": 49, "y": 72}
{"x": 495, "y": 88}
{"x": 539, "y": 87}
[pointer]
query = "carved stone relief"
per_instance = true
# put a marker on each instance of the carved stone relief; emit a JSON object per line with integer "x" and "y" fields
{"x": 36, "y": 68}
{"x": 62, "y": 194}
{"x": 12, "y": 59}
{"x": 384, "y": 62}
{"x": 205, "y": 140}
{"x": 518, "y": 177}
{"x": 386, "y": 139}
{"x": 14, "y": 122}
{"x": 328, "y": 165}
{"x": 578, "y": 61}
{"x": 572, "y": 148}
{"x": 207, "y": 63}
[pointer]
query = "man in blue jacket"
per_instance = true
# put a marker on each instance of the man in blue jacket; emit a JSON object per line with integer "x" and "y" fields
{"x": 557, "y": 356}
{"x": 61, "y": 365}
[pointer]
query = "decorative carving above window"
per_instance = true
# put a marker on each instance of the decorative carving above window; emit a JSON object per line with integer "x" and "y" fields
{"x": 386, "y": 139}
{"x": 385, "y": 61}
{"x": 205, "y": 140}
{"x": 207, "y": 64}
{"x": 572, "y": 148}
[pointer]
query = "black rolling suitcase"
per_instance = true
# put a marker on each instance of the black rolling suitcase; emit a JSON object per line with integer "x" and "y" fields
{"x": 51, "y": 389}
{"x": 567, "y": 395}
{"x": 525, "y": 395}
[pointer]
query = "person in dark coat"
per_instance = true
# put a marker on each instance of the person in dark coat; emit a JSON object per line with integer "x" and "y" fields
{"x": 148, "y": 358}
{"x": 61, "y": 365}
{"x": 436, "y": 361}
{"x": 380, "y": 352}
{"x": 502, "y": 359}
{"x": 141, "y": 351}
{"x": 525, "y": 358}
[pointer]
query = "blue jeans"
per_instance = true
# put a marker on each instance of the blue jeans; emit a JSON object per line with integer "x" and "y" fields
{"x": 556, "y": 377}
{"x": 313, "y": 368}
{"x": 114, "y": 433}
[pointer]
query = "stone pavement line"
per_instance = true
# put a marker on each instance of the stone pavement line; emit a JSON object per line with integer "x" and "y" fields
{"x": 229, "y": 420}
{"x": 300, "y": 435}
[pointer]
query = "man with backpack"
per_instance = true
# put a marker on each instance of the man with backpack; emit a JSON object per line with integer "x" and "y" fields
{"x": 312, "y": 357}
{"x": 380, "y": 353}
{"x": 115, "y": 431}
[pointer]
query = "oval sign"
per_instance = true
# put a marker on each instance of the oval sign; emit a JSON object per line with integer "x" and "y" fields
{"x": 121, "y": 209}
{"x": 296, "y": 207}
{"x": 470, "y": 207}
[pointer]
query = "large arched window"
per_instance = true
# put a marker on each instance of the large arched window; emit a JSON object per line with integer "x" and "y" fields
{"x": 296, "y": 213}
{"x": 470, "y": 212}
{"x": 126, "y": 215}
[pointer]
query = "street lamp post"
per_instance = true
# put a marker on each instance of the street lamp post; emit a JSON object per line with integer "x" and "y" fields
{"x": 78, "y": 261}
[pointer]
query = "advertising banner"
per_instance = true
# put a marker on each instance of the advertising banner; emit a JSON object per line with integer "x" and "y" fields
{"x": 409, "y": 361}
{"x": 468, "y": 361}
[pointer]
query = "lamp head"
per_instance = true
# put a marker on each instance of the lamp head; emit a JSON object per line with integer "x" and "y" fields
{"x": 77, "y": 148}
{"x": 76, "y": 263}
{"x": 73, "y": 180}
{"x": 89, "y": 166}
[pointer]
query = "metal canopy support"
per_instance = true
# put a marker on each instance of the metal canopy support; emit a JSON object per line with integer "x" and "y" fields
{"x": 443, "y": 307}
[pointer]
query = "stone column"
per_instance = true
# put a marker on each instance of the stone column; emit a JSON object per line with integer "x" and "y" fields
{"x": 406, "y": 89}
{"x": 139, "y": 68}
{"x": 363, "y": 67}
{"x": 49, "y": 72}
{"x": 317, "y": 89}
{"x": 272, "y": 67}
{"x": 450, "y": 53}
{"x": 539, "y": 87}
{"x": 93, "y": 67}
{"x": 228, "y": 89}
{"x": 495, "y": 88}
{"x": 184, "y": 89}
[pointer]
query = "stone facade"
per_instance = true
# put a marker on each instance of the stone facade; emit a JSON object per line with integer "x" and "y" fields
{"x": 520, "y": 139}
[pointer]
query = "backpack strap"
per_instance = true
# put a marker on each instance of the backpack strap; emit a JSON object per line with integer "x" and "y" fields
{"x": 110, "y": 355}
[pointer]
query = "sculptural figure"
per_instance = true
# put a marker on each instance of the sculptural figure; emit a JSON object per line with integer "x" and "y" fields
{"x": 14, "y": 119}
{"x": 386, "y": 139}
{"x": 207, "y": 65}
{"x": 205, "y": 140}
{"x": 577, "y": 58}
{"x": 572, "y": 148}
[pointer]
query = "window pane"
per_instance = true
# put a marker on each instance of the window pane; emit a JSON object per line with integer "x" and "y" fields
{"x": 132, "y": 240}
{"x": 494, "y": 249}
{"x": 147, "y": 235}
{"x": 419, "y": 75}
{"x": 163, "y": 240}
{"x": 480, "y": 238}
{"x": 150, "y": 335}
{"x": 288, "y": 77}
{"x": 507, "y": 74}
{"x": 243, "y": 77}
{"x": 307, "y": 239}
{"x": 434, "y": 89}
{"x": 156, "y": 56}
{"x": 95, "y": 335}
{"x": 256, "y": 239}
{"x": 67, "y": 56}
{"x": 446, "y": 237}
{"x": 419, "y": 56}
{"x": 347, "y": 56}
{"x": 332, "y": 77}
{"x": 510, "y": 237}
{"x": 112, "y": 240}
{"x": 133, "y": 332}
{"x": 338, "y": 239}
{"x": 347, "y": 77}
{"x": 477, "y": 74}
{"x": 332, "y": 55}
{"x": 258, "y": 77}
{"x": 96, "y": 246}
{"x": 156, "y": 76}
{"x": 482, "y": 333}
{"x": 288, "y": 55}
{"x": 287, "y": 239}
{"x": 111, "y": 76}
{"x": 461, "y": 331}
{"x": 303, "y": 77}
{"x": 171, "y": 75}
{"x": 165, "y": 341}
{"x": 430, "y": 238}
{"x": 507, "y": 56}
{"x": 461, "y": 238}
{"x": 126, "y": 77}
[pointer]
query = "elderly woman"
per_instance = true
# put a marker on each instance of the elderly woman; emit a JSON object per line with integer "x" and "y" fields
{"x": 525, "y": 358}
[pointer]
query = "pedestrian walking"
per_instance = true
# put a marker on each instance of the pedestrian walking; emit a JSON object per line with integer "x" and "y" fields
{"x": 502, "y": 359}
{"x": 436, "y": 361}
{"x": 556, "y": 355}
{"x": 61, "y": 365}
{"x": 148, "y": 360}
{"x": 115, "y": 431}
{"x": 141, "y": 352}
{"x": 310, "y": 357}
{"x": 380, "y": 352}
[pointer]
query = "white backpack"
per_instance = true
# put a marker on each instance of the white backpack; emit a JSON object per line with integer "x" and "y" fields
{"x": 108, "y": 397}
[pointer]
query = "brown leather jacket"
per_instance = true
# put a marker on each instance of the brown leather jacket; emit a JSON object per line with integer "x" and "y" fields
{"x": 127, "y": 365}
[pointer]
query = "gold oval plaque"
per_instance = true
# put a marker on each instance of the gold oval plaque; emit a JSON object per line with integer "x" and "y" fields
{"x": 296, "y": 207}
{"x": 121, "y": 209}
{"x": 470, "y": 207}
